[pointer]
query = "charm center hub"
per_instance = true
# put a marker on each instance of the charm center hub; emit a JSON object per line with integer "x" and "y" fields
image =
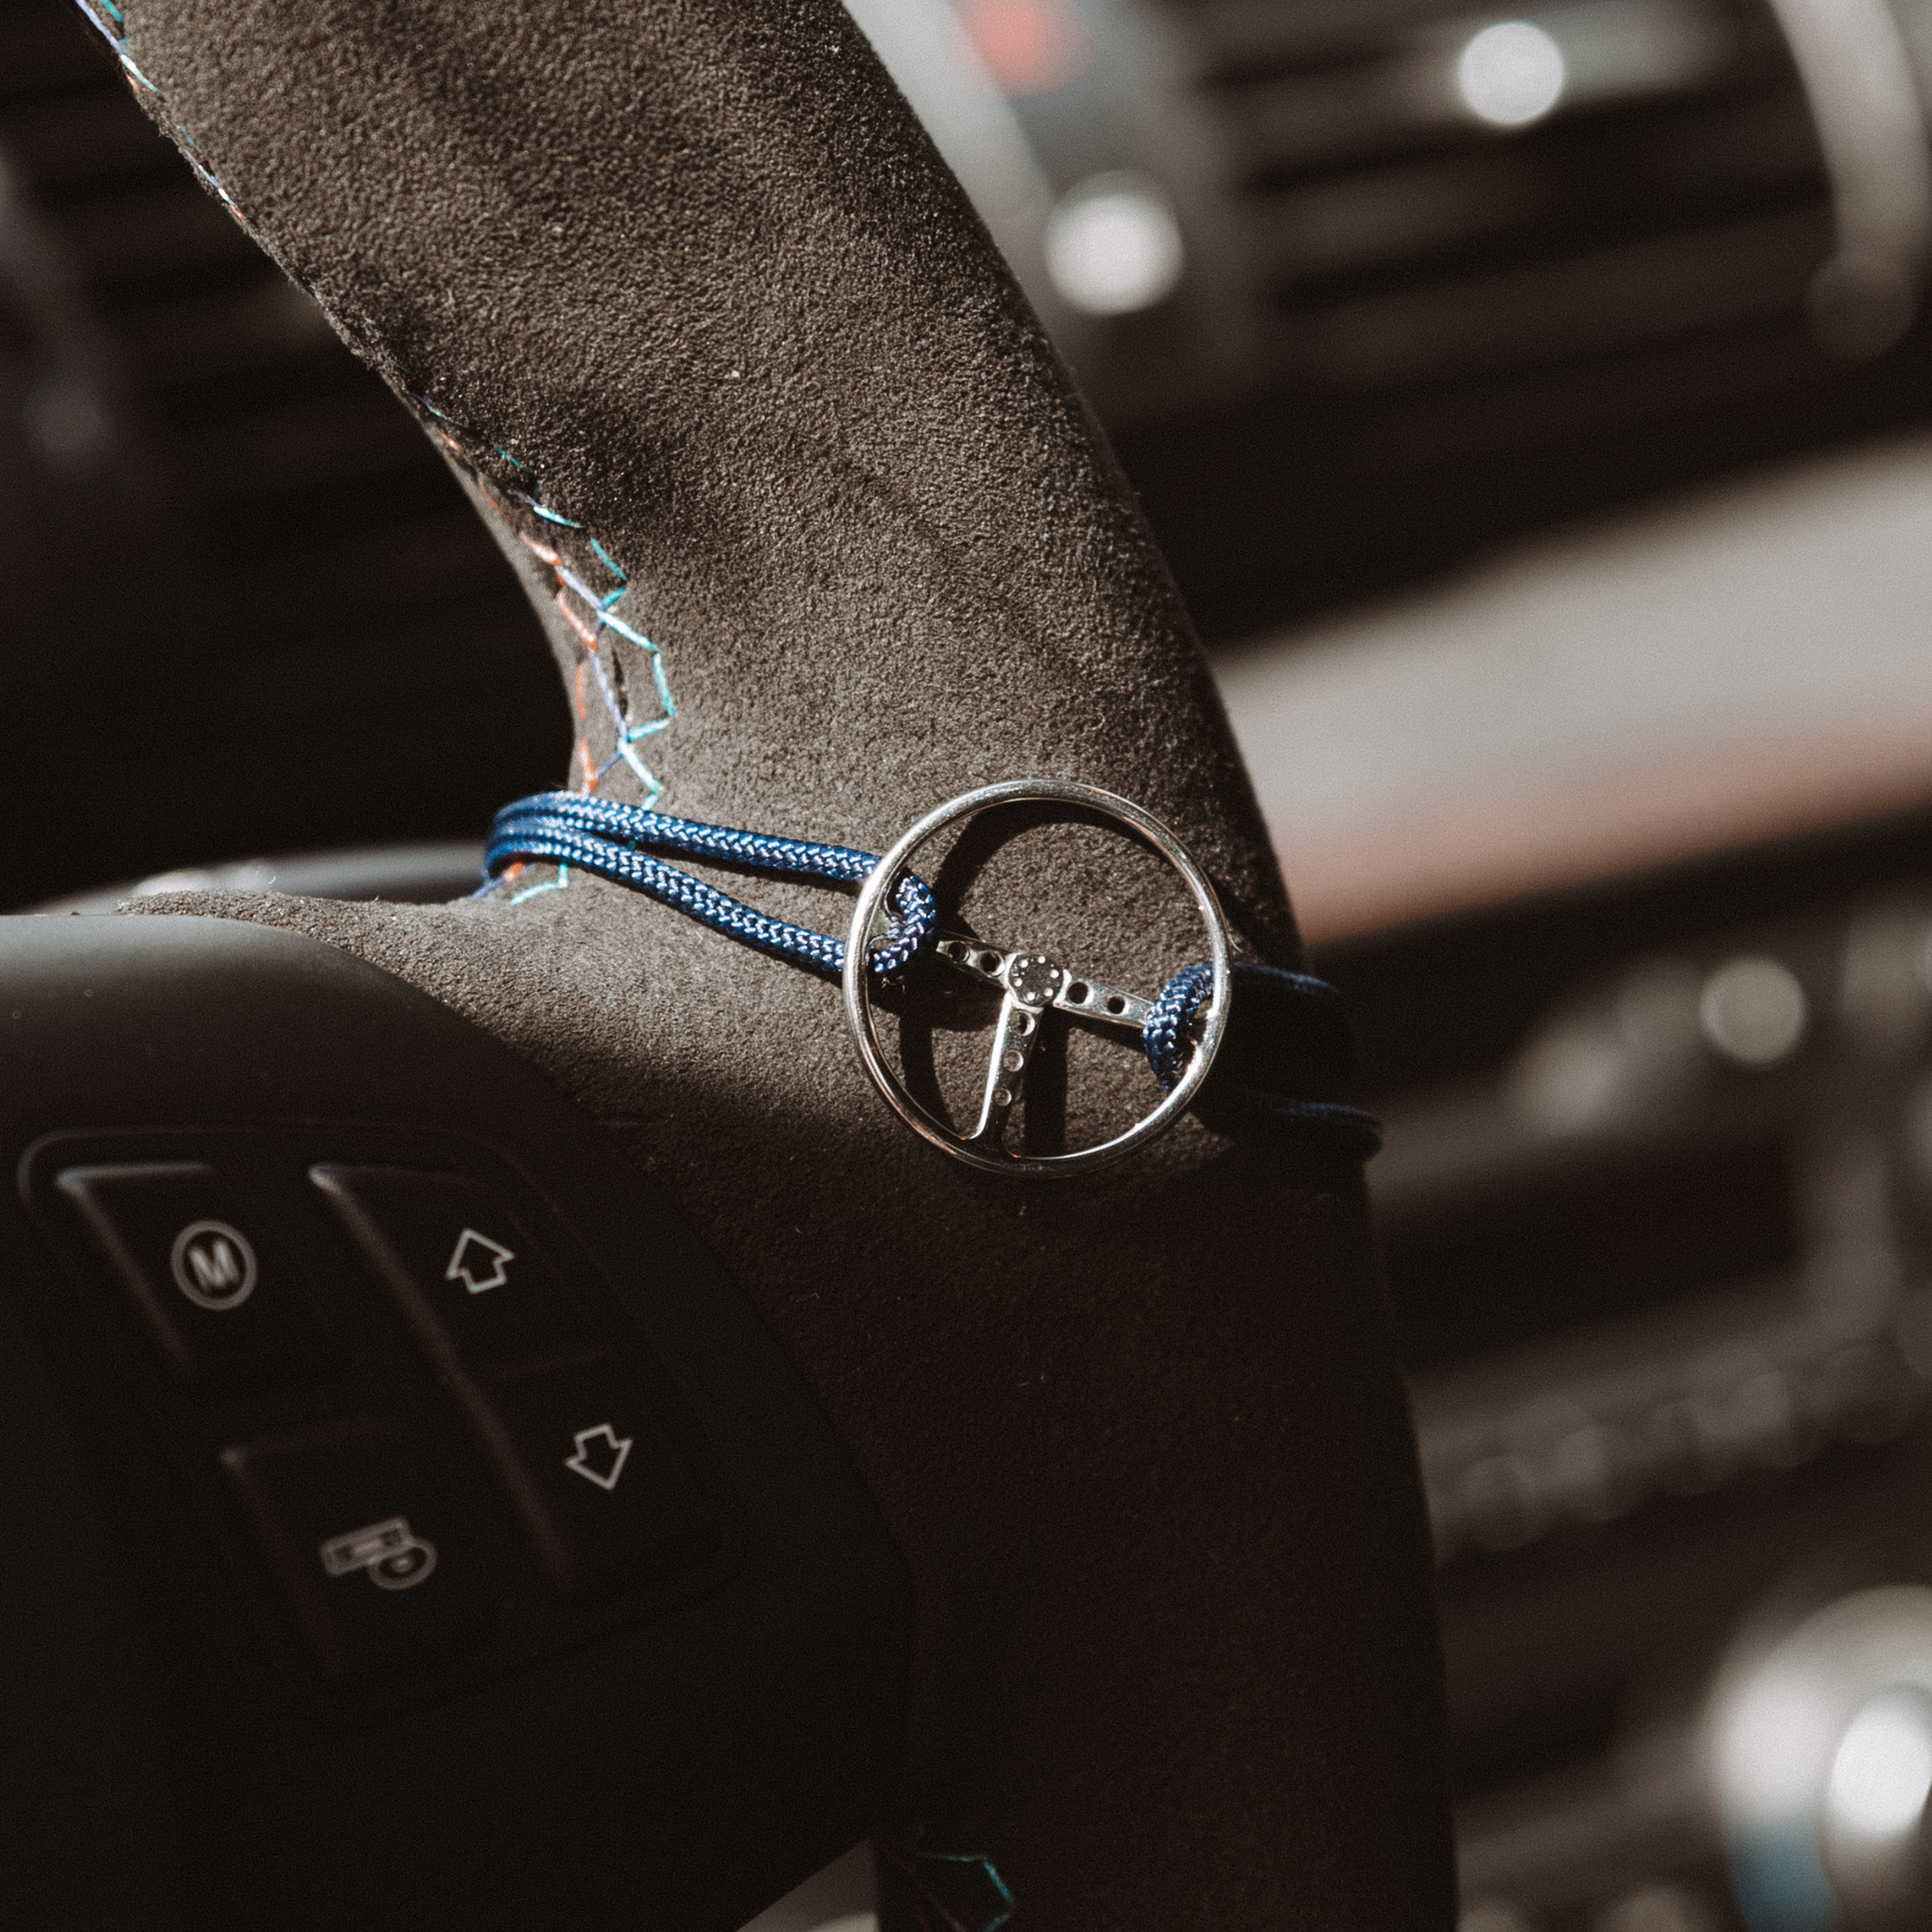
{"x": 1034, "y": 979}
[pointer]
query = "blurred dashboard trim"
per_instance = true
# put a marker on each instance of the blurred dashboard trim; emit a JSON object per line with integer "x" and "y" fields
{"x": 1483, "y": 838}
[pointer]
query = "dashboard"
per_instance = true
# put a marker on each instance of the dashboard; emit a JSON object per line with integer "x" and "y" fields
{"x": 1534, "y": 409}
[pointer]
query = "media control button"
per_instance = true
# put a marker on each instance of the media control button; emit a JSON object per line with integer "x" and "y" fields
{"x": 603, "y": 1499}
{"x": 217, "y": 1290}
{"x": 214, "y": 1264}
{"x": 467, "y": 1279}
{"x": 383, "y": 1575}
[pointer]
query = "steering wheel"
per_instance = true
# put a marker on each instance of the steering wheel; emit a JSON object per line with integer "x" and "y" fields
{"x": 505, "y": 1427}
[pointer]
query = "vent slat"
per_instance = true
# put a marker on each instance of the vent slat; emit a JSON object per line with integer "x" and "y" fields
{"x": 1235, "y": 38}
{"x": 1644, "y": 290}
{"x": 1387, "y": 105}
{"x": 1397, "y": 217}
{"x": 1407, "y": 222}
{"x": 1317, "y": 123}
{"x": 1395, "y": 245}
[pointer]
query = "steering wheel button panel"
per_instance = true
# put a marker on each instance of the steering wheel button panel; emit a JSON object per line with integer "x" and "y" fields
{"x": 465, "y": 1276}
{"x": 217, "y": 1287}
{"x": 240, "y": 1533}
{"x": 384, "y": 1576}
{"x": 603, "y": 1499}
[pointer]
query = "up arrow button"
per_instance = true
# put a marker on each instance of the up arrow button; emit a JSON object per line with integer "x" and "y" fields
{"x": 478, "y": 1263}
{"x": 470, "y": 1278}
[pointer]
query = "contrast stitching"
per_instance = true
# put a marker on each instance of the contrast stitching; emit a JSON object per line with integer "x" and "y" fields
{"x": 110, "y": 24}
{"x": 593, "y": 620}
{"x": 109, "y": 21}
{"x": 590, "y": 613}
{"x": 910, "y": 1859}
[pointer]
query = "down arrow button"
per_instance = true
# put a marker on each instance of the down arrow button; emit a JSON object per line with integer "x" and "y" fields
{"x": 602, "y": 1464}
{"x": 603, "y": 1499}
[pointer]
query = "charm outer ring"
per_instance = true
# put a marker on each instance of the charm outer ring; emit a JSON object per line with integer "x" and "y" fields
{"x": 858, "y": 981}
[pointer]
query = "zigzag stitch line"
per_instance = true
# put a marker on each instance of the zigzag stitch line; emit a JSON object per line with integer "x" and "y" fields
{"x": 589, "y": 625}
{"x": 907, "y": 1858}
{"x": 596, "y": 625}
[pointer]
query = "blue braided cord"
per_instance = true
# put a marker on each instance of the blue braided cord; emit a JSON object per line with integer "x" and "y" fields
{"x": 1163, "y": 1030}
{"x": 1361, "y": 1132}
{"x": 1165, "y": 1035}
{"x": 615, "y": 841}
{"x": 1169, "y": 1020}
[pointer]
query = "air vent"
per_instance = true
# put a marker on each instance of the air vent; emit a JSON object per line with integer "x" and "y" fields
{"x": 1412, "y": 222}
{"x": 1470, "y": 310}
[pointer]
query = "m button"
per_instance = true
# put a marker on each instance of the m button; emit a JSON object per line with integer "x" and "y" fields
{"x": 217, "y": 1290}
{"x": 213, "y": 1265}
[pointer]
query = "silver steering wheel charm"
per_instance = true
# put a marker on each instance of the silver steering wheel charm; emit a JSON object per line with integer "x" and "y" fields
{"x": 1030, "y": 983}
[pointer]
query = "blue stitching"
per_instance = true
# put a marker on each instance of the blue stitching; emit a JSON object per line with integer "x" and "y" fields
{"x": 601, "y": 614}
{"x": 113, "y": 39}
{"x": 908, "y": 1857}
{"x": 598, "y": 616}
{"x": 186, "y": 140}
{"x": 556, "y": 885}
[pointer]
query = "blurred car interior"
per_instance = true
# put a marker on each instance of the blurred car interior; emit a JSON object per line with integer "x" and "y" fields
{"x": 1536, "y": 412}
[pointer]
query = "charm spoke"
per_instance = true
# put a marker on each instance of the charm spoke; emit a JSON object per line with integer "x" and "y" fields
{"x": 1031, "y": 983}
{"x": 1014, "y": 1040}
{"x": 1087, "y": 996}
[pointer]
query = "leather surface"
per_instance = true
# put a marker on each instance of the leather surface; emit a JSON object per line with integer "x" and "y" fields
{"x": 688, "y": 275}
